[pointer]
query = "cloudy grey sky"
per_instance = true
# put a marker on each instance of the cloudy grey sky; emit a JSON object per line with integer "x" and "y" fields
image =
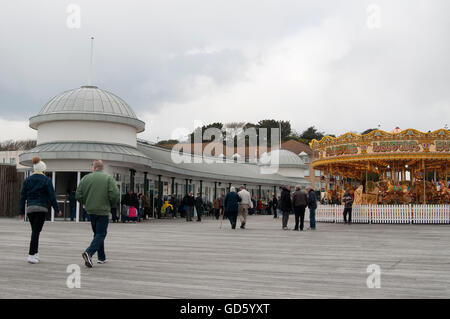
{"x": 339, "y": 65}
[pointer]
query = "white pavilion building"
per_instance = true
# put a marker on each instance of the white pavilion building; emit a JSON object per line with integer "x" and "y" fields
{"x": 87, "y": 123}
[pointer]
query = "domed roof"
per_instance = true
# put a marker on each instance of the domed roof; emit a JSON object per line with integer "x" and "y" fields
{"x": 284, "y": 158}
{"x": 87, "y": 103}
{"x": 88, "y": 99}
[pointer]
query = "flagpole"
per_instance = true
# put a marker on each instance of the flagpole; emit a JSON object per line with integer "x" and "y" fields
{"x": 280, "y": 134}
{"x": 91, "y": 60}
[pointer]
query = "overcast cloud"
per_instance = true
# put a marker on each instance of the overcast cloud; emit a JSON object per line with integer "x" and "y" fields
{"x": 174, "y": 62}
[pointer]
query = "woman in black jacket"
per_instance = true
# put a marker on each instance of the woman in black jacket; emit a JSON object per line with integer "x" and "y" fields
{"x": 286, "y": 205}
{"x": 37, "y": 193}
{"x": 231, "y": 206}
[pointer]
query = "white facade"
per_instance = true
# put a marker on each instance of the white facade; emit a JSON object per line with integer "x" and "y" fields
{"x": 93, "y": 131}
{"x": 88, "y": 123}
{"x": 11, "y": 157}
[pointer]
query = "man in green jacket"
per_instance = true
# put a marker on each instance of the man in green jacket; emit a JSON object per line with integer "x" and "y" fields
{"x": 98, "y": 192}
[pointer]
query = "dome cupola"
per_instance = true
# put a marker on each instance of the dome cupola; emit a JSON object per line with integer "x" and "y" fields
{"x": 87, "y": 103}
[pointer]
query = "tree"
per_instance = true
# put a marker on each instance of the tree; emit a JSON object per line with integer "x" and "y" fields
{"x": 368, "y": 131}
{"x": 217, "y": 125}
{"x": 270, "y": 123}
{"x": 235, "y": 129}
{"x": 311, "y": 133}
{"x": 19, "y": 145}
{"x": 170, "y": 142}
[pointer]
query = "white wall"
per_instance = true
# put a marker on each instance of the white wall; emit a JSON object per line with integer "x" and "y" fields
{"x": 291, "y": 172}
{"x": 6, "y": 156}
{"x": 94, "y": 131}
{"x": 68, "y": 165}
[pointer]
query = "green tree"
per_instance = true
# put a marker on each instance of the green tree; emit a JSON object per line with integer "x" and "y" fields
{"x": 368, "y": 131}
{"x": 311, "y": 133}
{"x": 170, "y": 142}
{"x": 217, "y": 125}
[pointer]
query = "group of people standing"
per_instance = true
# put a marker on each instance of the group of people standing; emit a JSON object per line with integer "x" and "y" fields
{"x": 134, "y": 207}
{"x": 297, "y": 202}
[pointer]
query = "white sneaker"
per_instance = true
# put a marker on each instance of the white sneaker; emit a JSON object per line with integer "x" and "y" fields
{"x": 102, "y": 261}
{"x": 37, "y": 256}
{"x": 32, "y": 259}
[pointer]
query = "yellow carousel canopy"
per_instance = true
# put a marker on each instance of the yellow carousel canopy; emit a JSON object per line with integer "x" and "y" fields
{"x": 351, "y": 154}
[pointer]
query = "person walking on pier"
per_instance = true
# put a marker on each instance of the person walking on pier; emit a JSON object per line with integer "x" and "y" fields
{"x": 98, "y": 191}
{"x": 244, "y": 205}
{"x": 222, "y": 203}
{"x": 199, "y": 207}
{"x": 348, "y": 202}
{"x": 37, "y": 191}
{"x": 286, "y": 205}
{"x": 189, "y": 202}
{"x": 312, "y": 205}
{"x": 174, "y": 202}
{"x": 231, "y": 206}
{"x": 300, "y": 201}
{"x": 275, "y": 206}
{"x": 216, "y": 207}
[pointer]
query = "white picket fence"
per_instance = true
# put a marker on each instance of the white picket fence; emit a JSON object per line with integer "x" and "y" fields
{"x": 386, "y": 214}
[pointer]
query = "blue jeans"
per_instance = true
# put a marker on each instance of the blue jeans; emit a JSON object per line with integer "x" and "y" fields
{"x": 312, "y": 218}
{"x": 99, "y": 225}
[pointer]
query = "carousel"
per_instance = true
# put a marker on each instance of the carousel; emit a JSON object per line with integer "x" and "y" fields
{"x": 398, "y": 167}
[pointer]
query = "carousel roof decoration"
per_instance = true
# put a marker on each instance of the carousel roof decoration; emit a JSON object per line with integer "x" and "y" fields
{"x": 351, "y": 155}
{"x": 397, "y": 167}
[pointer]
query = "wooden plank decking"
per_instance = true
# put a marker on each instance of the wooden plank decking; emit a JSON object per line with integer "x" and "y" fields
{"x": 175, "y": 259}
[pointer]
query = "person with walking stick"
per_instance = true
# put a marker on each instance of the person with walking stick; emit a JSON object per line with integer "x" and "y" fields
{"x": 231, "y": 206}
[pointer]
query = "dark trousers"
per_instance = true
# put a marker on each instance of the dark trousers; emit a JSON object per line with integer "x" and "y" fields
{"x": 216, "y": 213}
{"x": 312, "y": 218}
{"x": 37, "y": 220}
{"x": 233, "y": 218}
{"x": 299, "y": 214}
{"x": 99, "y": 225}
{"x": 73, "y": 212}
{"x": 349, "y": 212}
{"x": 275, "y": 212}
{"x": 199, "y": 212}
{"x": 174, "y": 211}
{"x": 114, "y": 215}
{"x": 189, "y": 213}
{"x": 146, "y": 214}
{"x": 285, "y": 218}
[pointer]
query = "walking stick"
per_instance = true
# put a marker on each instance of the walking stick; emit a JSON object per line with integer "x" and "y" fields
{"x": 221, "y": 221}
